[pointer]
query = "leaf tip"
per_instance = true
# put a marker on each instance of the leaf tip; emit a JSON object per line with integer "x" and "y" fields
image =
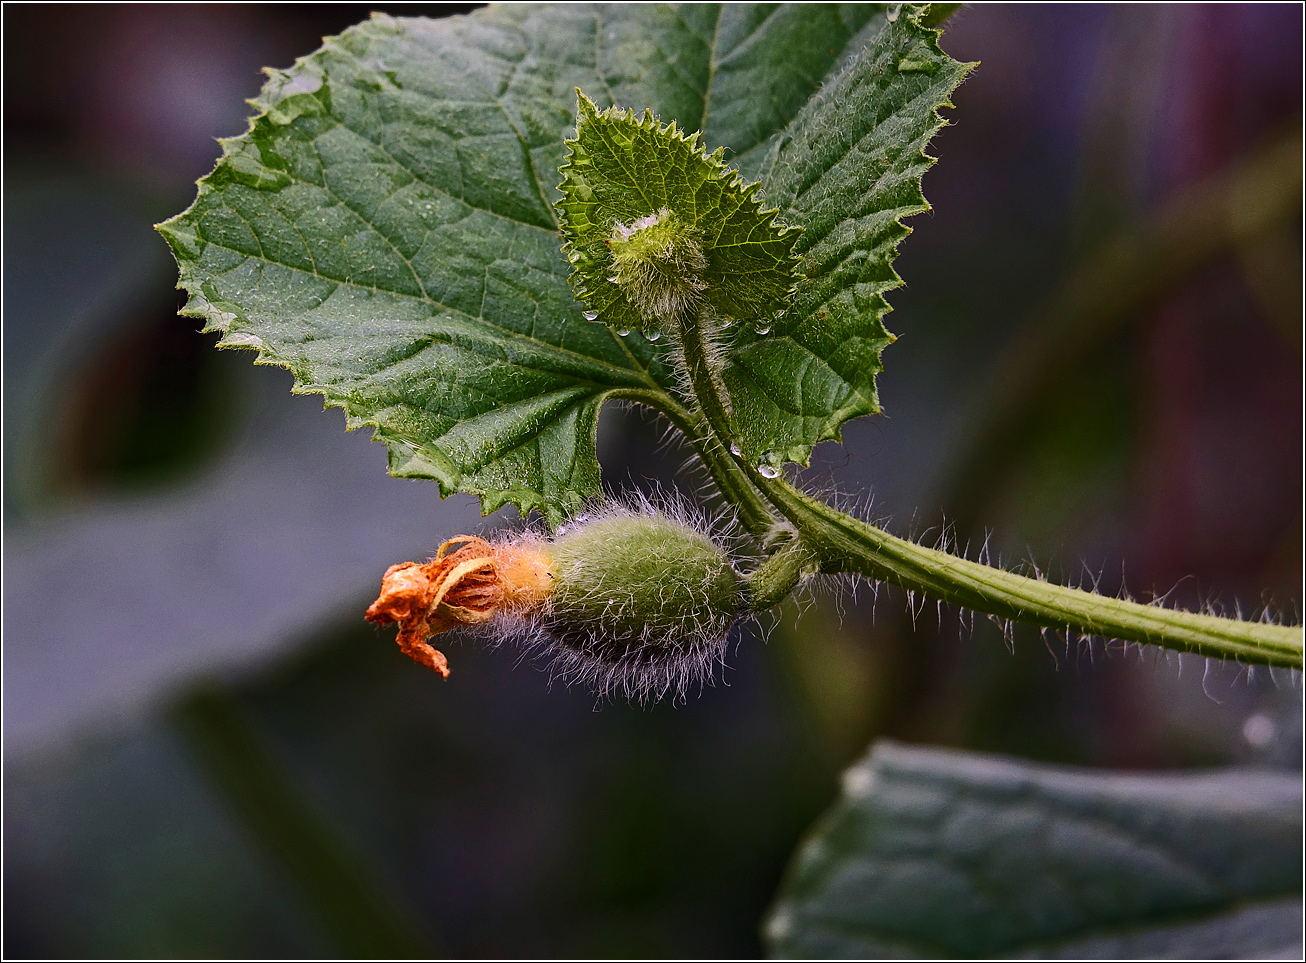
{"x": 584, "y": 106}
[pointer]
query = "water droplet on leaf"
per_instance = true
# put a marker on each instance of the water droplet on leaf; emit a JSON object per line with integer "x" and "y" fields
{"x": 590, "y": 315}
{"x": 735, "y": 449}
{"x": 653, "y": 335}
{"x": 623, "y": 332}
{"x": 763, "y": 330}
{"x": 768, "y": 471}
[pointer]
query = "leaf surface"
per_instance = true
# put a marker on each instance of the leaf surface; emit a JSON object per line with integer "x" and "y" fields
{"x": 706, "y": 244}
{"x": 847, "y": 169}
{"x": 386, "y": 229}
{"x": 935, "y": 853}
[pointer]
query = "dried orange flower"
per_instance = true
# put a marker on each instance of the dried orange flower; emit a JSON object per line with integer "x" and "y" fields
{"x": 464, "y": 587}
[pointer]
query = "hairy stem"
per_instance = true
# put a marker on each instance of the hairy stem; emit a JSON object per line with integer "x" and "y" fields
{"x": 777, "y": 577}
{"x": 845, "y": 544}
{"x": 712, "y": 438}
{"x": 701, "y": 377}
{"x": 841, "y": 543}
{"x": 754, "y": 513}
{"x": 835, "y": 542}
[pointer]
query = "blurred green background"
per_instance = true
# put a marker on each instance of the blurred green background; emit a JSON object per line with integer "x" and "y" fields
{"x": 209, "y": 753}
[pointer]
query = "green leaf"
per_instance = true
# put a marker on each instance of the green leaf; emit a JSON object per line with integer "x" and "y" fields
{"x": 935, "y": 853}
{"x": 658, "y": 230}
{"x": 385, "y": 229}
{"x": 847, "y": 169}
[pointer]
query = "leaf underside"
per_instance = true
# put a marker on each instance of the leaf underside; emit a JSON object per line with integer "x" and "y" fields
{"x": 943, "y": 854}
{"x": 386, "y": 228}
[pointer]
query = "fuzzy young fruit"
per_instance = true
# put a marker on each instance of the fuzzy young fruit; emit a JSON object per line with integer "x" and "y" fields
{"x": 629, "y": 601}
{"x": 641, "y": 604}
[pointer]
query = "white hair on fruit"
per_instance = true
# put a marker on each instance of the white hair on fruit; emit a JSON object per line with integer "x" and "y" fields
{"x": 645, "y": 598}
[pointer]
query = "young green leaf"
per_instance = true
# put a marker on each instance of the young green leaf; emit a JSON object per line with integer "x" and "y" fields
{"x": 659, "y": 231}
{"x": 385, "y": 229}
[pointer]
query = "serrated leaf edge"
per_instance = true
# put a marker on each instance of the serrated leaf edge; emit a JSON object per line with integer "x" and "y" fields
{"x": 801, "y": 453}
{"x": 404, "y": 459}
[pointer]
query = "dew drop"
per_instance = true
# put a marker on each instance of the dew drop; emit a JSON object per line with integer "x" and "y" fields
{"x": 727, "y": 322}
{"x": 653, "y": 335}
{"x": 614, "y": 279}
{"x": 764, "y": 330}
{"x": 623, "y": 332}
{"x": 590, "y": 315}
{"x": 735, "y": 449}
{"x": 768, "y": 471}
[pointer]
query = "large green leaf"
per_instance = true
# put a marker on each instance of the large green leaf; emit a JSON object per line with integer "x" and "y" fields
{"x": 933, "y": 853}
{"x": 385, "y": 229}
{"x": 847, "y": 169}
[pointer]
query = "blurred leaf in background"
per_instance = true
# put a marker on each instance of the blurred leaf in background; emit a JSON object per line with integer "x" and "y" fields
{"x": 943, "y": 854}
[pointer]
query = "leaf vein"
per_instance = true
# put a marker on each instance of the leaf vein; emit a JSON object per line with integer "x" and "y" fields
{"x": 506, "y": 333}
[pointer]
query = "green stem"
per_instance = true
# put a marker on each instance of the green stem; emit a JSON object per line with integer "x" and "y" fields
{"x": 702, "y": 379}
{"x": 754, "y": 513}
{"x": 776, "y": 578}
{"x": 835, "y": 542}
{"x": 845, "y": 544}
{"x": 710, "y": 432}
{"x": 734, "y": 485}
